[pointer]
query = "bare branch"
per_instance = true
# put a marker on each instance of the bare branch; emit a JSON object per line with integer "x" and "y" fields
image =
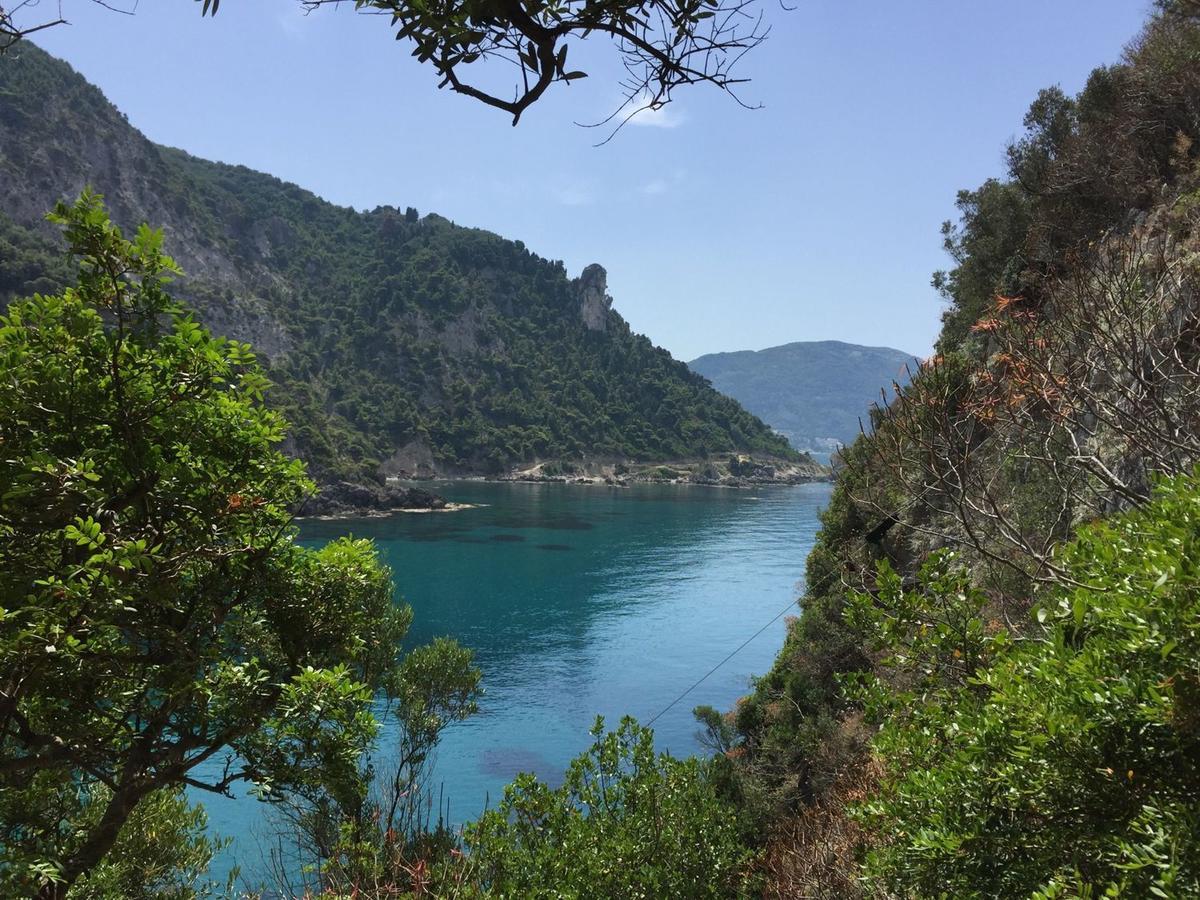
{"x": 20, "y": 20}
{"x": 663, "y": 45}
{"x": 1078, "y": 402}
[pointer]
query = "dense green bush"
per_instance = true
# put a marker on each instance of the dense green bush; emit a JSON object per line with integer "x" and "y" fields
{"x": 162, "y": 853}
{"x": 1058, "y": 765}
{"x": 626, "y": 823}
{"x": 156, "y": 613}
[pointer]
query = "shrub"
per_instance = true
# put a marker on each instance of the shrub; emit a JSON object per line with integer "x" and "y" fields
{"x": 625, "y": 823}
{"x": 1070, "y": 765}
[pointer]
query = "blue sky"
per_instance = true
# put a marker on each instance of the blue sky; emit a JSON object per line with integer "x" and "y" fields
{"x": 815, "y": 217}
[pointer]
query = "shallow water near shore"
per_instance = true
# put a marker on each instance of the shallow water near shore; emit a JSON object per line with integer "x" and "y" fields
{"x": 578, "y": 601}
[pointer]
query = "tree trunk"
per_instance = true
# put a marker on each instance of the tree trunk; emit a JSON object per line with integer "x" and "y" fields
{"x": 97, "y": 844}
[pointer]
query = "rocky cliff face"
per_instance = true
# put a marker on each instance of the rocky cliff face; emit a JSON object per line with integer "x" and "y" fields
{"x": 594, "y": 302}
{"x": 80, "y": 140}
{"x": 83, "y": 140}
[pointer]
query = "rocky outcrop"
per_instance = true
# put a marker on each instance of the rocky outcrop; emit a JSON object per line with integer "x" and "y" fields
{"x": 345, "y": 498}
{"x": 415, "y": 460}
{"x": 594, "y": 302}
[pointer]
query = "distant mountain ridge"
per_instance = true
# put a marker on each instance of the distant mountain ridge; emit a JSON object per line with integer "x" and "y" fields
{"x": 813, "y": 392}
{"x": 398, "y": 343}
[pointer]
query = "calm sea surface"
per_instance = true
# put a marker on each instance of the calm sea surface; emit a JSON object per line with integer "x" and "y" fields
{"x": 578, "y": 601}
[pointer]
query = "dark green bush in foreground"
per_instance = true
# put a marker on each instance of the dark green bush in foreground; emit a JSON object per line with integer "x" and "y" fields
{"x": 1069, "y": 766}
{"x": 160, "y": 627}
{"x": 625, "y": 823}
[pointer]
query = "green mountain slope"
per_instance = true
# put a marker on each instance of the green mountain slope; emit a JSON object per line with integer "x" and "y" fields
{"x": 814, "y": 392}
{"x": 397, "y": 343}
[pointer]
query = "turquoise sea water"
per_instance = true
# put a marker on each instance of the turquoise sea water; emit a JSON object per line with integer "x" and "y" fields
{"x": 578, "y": 601}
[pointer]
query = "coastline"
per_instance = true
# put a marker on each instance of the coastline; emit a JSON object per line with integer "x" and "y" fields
{"x": 406, "y": 492}
{"x": 739, "y": 471}
{"x": 367, "y": 513}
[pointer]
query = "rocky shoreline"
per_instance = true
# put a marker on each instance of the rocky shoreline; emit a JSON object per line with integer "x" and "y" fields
{"x": 734, "y": 471}
{"x": 344, "y": 499}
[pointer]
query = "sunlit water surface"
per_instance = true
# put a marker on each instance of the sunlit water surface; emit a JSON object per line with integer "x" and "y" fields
{"x": 578, "y": 601}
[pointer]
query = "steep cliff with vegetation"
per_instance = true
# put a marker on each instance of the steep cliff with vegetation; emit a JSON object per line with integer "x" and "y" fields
{"x": 397, "y": 343}
{"x": 993, "y": 687}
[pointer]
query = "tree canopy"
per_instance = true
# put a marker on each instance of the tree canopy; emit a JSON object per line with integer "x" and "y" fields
{"x": 159, "y": 625}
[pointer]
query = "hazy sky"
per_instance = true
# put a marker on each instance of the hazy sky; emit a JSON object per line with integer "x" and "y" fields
{"x": 815, "y": 217}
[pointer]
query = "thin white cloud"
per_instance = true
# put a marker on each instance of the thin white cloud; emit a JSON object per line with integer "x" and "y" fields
{"x": 662, "y": 185}
{"x": 575, "y": 195}
{"x": 667, "y": 116}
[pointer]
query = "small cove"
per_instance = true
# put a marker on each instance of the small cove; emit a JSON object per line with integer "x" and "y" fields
{"x": 578, "y": 601}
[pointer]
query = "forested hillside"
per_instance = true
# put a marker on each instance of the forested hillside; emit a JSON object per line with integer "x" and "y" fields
{"x": 994, "y": 687}
{"x": 815, "y": 393}
{"x": 397, "y": 343}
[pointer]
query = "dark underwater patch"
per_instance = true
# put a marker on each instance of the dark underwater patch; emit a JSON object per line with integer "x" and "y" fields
{"x": 508, "y": 762}
{"x": 431, "y": 537}
{"x": 548, "y": 522}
